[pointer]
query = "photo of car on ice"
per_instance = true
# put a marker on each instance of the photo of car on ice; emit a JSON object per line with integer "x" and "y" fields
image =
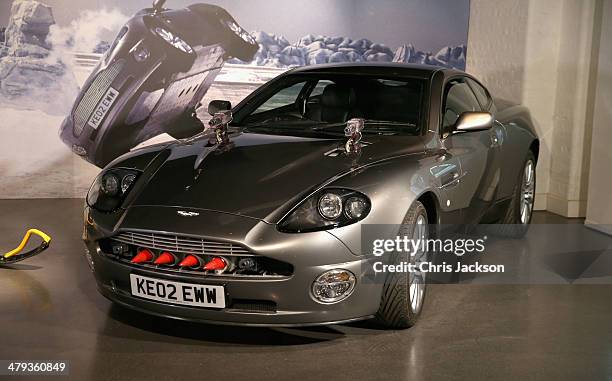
{"x": 258, "y": 222}
{"x": 151, "y": 78}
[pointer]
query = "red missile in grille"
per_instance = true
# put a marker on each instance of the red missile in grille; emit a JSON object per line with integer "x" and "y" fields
{"x": 143, "y": 256}
{"x": 165, "y": 258}
{"x": 217, "y": 263}
{"x": 190, "y": 261}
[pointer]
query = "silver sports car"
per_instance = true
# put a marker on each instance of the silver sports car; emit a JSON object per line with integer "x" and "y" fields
{"x": 258, "y": 220}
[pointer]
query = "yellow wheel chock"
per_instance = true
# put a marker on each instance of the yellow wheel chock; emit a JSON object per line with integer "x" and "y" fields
{"x": 15, "y": 255}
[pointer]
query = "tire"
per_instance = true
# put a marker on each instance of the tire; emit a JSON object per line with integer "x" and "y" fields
{"x": 513, "y": 224}
{"x": 397, "y": 310}
{"x": 237, "y": 46}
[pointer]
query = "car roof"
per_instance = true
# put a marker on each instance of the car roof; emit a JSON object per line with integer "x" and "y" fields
{"x": 376, "y": 68}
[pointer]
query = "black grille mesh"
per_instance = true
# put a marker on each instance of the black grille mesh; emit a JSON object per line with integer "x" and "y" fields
{"x": 94, "y": 94}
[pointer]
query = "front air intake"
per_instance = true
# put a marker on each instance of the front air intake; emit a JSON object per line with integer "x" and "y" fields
{"x": 190, "y": 255}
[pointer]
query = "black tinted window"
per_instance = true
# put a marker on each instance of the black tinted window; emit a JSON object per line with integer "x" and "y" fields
{"x": 313, "y": 102}
{"x": 388, "y": 100}
{"x": 481, "y": 93}
{"x": 459, "y": 99}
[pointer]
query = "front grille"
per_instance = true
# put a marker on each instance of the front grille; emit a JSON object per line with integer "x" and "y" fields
{"x": 241, "y": 262}
{"x": 181, "y": 244}
{"x": 94, "y": 94}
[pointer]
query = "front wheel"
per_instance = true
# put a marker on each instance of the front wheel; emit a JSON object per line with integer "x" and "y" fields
{"x": 404, "y": 292}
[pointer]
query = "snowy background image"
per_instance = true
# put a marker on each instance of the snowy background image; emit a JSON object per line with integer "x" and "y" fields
{"x": 48, "y": 49}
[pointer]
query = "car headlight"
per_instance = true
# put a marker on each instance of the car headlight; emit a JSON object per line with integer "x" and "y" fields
{"x": 110, "y": 188}
{"x": 327, "y": 209}
{"x": 330, "y": 206}
{"x": 140, "y": 52}
{"x": 173, "y": 39}
{"x": 333, "y": 286}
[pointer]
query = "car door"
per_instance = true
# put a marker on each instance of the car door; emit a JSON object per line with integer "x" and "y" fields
{"x": 498, "y": 135}
{"x": 472, "y": 188}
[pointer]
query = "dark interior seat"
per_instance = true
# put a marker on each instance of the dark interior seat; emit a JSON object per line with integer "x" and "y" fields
{"x": 337, "y": 103}
{"x": 399, "y": 104}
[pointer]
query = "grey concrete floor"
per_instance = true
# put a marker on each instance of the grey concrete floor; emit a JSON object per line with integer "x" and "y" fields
{"x": 50, "y": 309}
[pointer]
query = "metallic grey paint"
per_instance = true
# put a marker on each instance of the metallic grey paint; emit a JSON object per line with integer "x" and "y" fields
{"x": 242, "y": 193}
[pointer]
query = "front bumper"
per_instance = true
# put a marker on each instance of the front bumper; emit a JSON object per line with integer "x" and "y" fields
{"x": 310, "y": 254}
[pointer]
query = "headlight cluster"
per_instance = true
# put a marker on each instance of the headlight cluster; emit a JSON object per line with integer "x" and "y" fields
{"x": 327, "y": 209}
{"x": 140, "y": 52}
{"x": 333, "y": 286}
{"x": 173, "y": 39}
{"x": 110, "y": 188}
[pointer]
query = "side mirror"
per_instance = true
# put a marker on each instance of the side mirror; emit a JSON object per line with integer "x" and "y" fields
{"x": 474, "y": 121}
{"x": 219, "y": 106}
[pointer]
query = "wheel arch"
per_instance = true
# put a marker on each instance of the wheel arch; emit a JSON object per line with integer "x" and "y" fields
{"x": 534, "y": 147}
{"x": 431, "y": 203}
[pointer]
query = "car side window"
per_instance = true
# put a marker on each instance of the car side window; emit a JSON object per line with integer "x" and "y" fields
{"x": 481, "y": 93}
{"x": 459, "y": 99}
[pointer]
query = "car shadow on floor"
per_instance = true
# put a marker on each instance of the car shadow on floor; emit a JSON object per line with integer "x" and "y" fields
{"x": 174, "y": 330}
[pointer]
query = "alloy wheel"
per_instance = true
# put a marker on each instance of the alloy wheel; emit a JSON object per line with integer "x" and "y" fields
{"x": 527, "y": 192}
{"x": 416, "y": 279}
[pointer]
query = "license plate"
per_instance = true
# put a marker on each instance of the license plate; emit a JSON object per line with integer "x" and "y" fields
{"x": 189, "y": 294}
{"x": 97, "y": 116}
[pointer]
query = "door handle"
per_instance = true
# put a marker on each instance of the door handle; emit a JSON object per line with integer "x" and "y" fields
{"x": 453, "y": 179}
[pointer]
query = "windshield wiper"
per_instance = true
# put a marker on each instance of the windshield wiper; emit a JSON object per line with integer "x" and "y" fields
{"x": 389, "y": 123}
{"x": 370, "y": 125}
{"x": 314, "y": 126}
{"x": 326, "y": 126}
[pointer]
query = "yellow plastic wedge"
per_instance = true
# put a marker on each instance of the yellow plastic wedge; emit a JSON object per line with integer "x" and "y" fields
{"x": 25, "y": 240}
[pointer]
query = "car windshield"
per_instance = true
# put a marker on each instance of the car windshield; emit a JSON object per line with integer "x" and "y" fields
{"x": 321, "y": 103}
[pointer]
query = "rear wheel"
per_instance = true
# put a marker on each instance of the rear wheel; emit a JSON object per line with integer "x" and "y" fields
{"x": 404, "y": 292}
{"x": 515, "y": 222}
{"x": 241, "y": 44}
{"x": 236, "y": 41}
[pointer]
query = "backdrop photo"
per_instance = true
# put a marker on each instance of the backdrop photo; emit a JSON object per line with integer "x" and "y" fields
{"x": 50, "y": 49}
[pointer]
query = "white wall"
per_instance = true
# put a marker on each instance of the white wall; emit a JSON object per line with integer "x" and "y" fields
{"x": 541, "y": 53}
{"x": 599, "y": 208}
{"x": 497, "y": 40}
